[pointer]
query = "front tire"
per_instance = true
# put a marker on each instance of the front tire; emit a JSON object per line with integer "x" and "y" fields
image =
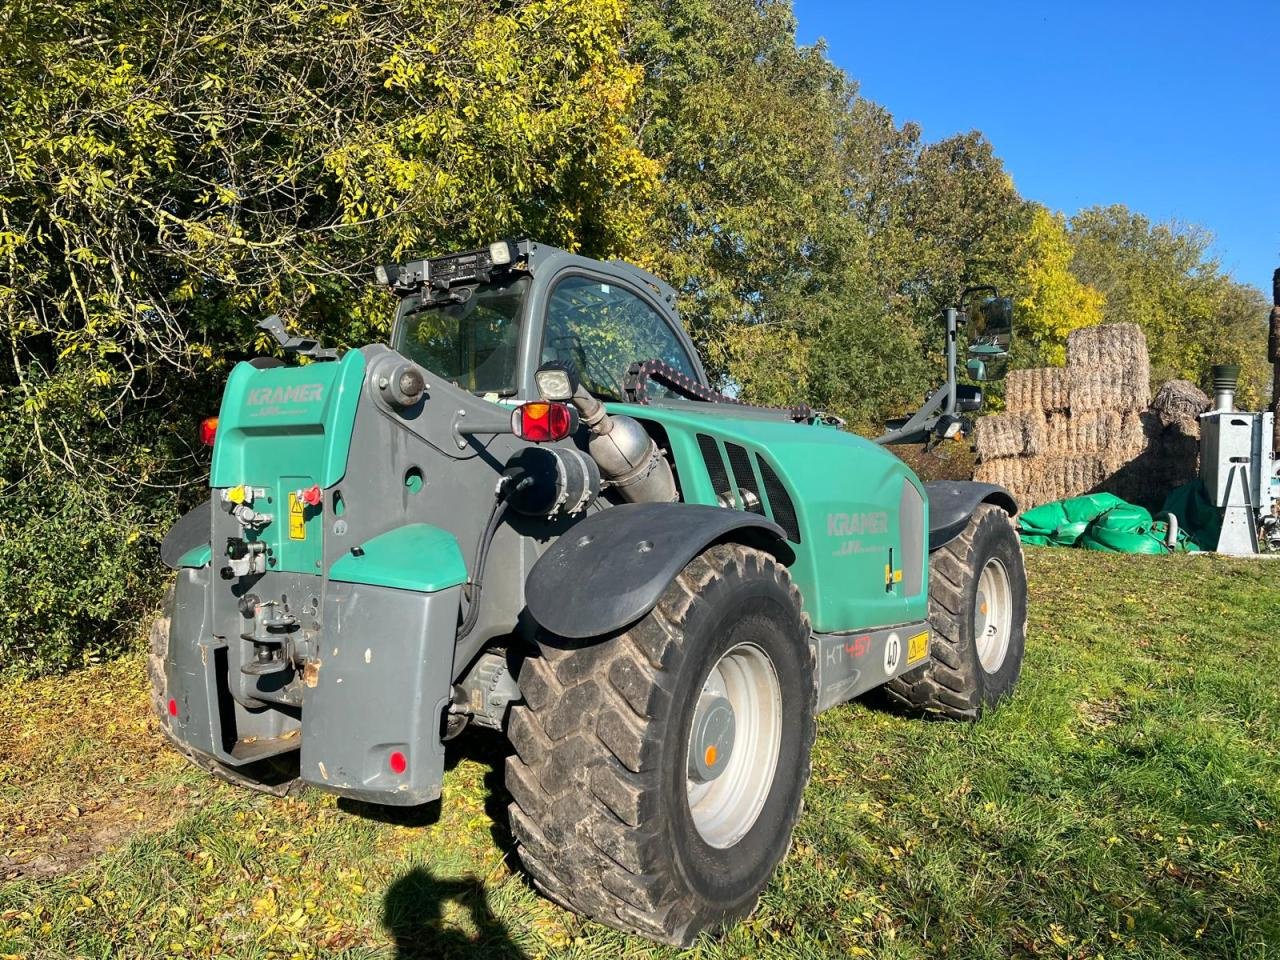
{"x": 978, "y": 612}
{"x": 658, "y": 772}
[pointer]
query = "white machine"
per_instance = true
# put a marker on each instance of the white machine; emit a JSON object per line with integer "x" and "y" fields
{"x": 1238, "y": 470}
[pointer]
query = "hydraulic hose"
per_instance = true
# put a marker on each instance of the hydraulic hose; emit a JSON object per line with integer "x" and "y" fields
{"x": 502, "y": 500}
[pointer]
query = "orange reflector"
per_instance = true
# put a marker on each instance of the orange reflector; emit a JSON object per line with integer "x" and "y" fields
{"x": 208, "y": 430}
{"x": 397, "y": 762}
{"x": 710, "y": 756}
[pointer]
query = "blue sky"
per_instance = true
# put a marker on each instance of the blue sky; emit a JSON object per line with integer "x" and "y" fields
{"x": 1172, "y": 109}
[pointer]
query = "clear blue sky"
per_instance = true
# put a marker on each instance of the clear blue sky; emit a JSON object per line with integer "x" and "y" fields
{"x": 1171, "y": 108}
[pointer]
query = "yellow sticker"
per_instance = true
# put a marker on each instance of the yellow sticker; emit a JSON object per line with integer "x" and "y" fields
{"x": 918, "y": 647}
{"x": 297, "y": 523}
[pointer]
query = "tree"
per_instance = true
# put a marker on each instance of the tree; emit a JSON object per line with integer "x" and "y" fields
{"x": 1051, "y": 301}
{"x": 1161, "y": 277}
{"x": 172, "y": 173}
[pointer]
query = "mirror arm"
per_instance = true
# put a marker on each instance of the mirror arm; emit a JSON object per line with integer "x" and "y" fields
{"x": 923, "y": 420}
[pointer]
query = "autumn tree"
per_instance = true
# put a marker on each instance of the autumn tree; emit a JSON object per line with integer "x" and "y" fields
{"x": 171, "y": 173}
{"x": 1161, "y": 277}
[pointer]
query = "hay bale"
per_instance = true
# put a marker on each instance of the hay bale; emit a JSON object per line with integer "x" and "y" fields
{"x": 1094, "y": 431}
{"x": 1057, "y": 435}
{"x": 1107, "y": 388}
{"x": 1009, "y": 435}
{"x": 1180, "y": 400}
{"x": 1107, "y": 345}
{"x": 1108, "y": 368}
{"x": 1007, "y": 472}
{"x": 1132, "y": 438}
{"x": 1036, "y": 390}
{"x": 1061, "y": 477}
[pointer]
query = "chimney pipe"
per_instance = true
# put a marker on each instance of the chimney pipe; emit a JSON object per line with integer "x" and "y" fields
{"x": 1224, "y": 376}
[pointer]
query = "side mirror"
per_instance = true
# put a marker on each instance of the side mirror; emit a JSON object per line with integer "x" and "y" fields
{"x": 990, "y": 338}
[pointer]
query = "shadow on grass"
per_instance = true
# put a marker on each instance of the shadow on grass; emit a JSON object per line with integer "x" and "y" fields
{"x": 413, "y": 913}
{"x": 481, "y": 746}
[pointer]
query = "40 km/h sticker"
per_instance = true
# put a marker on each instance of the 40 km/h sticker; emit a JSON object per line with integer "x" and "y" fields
{"x": 297, "y": 523}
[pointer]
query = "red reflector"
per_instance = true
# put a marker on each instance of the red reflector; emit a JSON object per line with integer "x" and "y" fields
{"x": 208, "y": 430}
{"x": 173, "y": 707}
{"x": 397, "y": 762}
{"x": 540, "y": 422}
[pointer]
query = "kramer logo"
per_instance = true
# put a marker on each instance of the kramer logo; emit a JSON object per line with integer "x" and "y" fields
{"x": 846, "y": 524}
{"x": 275, "y": 396}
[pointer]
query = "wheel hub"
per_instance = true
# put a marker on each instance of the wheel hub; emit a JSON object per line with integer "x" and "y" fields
{"x": 711, "y": 742}
{"x": 735, "y": 738}
{"x": 992, "y": 615}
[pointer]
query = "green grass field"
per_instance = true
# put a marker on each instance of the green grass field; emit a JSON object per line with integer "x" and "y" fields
{"x": 1125, "y": 803}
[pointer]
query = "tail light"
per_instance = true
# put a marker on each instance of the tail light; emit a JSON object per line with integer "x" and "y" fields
{"x": 542, "y": 422}
{"x": 208, "y": 430}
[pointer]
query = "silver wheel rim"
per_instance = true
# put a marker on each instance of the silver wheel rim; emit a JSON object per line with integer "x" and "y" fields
{"x": 992, "y": 615}
{"x": 726, "y": 807}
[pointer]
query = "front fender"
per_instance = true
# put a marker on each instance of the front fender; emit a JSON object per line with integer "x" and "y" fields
{"x": 952, "y": 502}
{"x": 610, "y": 569}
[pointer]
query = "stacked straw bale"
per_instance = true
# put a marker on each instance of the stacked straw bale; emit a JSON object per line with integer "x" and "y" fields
{"x": 1091, "y": 425}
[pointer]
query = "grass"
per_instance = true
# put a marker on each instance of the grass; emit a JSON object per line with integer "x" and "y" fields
{"x": 1125, "y": 803}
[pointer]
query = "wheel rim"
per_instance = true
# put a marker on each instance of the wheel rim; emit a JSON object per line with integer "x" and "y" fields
{"x": 992, "y": 615}
{"x": 726, "y": 795}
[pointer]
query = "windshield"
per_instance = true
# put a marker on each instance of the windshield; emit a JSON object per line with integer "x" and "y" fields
{"x": 473, "y": 344}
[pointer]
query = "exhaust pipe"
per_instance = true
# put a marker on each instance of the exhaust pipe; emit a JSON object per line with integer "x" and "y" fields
{"x": 1224, "y": 377}
{"x": 626, "y": 454}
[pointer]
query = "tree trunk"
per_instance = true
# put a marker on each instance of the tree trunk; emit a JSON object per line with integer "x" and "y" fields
{"x": 1273, "y": 351}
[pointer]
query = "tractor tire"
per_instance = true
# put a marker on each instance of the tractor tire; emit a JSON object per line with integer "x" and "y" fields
{"x": 631, "y": 805}
{"x": 266, "y": 776}
{"x": 978, "y": 612}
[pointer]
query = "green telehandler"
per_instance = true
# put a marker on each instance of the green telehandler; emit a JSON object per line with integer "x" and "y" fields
{"x": 531, "y": 512}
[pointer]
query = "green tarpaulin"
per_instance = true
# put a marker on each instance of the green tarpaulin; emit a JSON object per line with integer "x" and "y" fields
{"x": 1100, "y": 521}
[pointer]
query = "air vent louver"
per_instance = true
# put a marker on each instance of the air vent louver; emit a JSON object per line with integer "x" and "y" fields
{"x": 780, "y": 505}
{"x": 744, "y": 477}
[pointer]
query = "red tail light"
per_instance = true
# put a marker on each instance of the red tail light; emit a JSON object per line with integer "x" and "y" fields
{"x": 208, "y": 430}
{"x": 541, "y": 422}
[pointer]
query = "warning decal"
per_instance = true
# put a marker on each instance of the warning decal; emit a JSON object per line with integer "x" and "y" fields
{"x": 297, "y": 523}
{"x": 918, "y": 647}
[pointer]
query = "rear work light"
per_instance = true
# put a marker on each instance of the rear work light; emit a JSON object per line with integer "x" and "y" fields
{"x": 208, "y": 430}
{"x": 542, "y": 422}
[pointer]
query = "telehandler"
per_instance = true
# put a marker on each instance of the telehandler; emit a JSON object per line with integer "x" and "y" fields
{"x": 532, "y": 512}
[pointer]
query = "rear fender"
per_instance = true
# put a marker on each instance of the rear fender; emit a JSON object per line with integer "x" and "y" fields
{"x": 609, "y": 570}
{"x": 189, "y": 533}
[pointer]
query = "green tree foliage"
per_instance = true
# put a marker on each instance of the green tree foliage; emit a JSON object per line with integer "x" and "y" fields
{"x": 172, "y": 173}
{"x": 1161, "y": 277}
{"x": 1052, "y": 301}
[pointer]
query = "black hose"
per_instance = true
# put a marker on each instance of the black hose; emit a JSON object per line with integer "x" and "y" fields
{"x": 500, "y": 504}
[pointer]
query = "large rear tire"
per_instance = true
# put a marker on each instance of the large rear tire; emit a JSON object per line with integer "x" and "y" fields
{"x": 658, "y": 772}
{"x": 978, "y": 612}
{"x": 271, "y": 776}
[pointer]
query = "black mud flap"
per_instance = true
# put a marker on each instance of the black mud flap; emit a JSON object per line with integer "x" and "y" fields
{"x": 952, "y": 502}
{"x": 610, "y": 569}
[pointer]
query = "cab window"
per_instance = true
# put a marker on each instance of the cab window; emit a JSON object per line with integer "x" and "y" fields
{"x": 602, "y": 329}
